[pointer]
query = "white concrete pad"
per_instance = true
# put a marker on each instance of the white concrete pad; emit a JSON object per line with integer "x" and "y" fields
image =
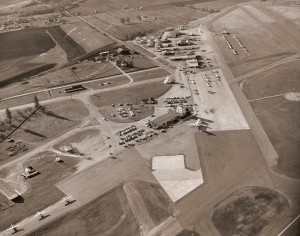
{"x": 172, "y": 175}
{"x": 168, "y": 162}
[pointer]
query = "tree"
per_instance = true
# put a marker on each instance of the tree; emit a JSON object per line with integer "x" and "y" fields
{"x": 36, "y": 102}
{"x": 122, "y": 20}
{"x": 127, "y": 19}
{"x": 8, "y": 114}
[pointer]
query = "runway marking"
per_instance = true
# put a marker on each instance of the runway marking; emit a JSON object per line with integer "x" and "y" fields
{"x": 288, "y": 225}
{"x": 273, "y": 96}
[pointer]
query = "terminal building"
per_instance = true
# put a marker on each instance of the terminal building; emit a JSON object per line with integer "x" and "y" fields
{"x": 164, "y": 120}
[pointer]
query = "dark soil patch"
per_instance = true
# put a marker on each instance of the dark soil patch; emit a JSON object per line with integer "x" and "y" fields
{"x": 72, "y": 49}
{"x": 25, "y": 42}
{"x": 248, "y": 210}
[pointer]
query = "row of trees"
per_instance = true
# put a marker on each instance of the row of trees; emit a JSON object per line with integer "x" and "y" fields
{"x": 9, "y": 114}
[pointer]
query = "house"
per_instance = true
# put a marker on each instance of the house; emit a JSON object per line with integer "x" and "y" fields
{"x": 7, "y": 191}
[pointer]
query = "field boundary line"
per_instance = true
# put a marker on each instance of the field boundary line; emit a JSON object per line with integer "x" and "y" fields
{"x": 258, "y": 99}
{"x": 288, "y": 226}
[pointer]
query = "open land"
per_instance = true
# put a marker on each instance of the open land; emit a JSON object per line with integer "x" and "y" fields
{"x": 24, "y": 43}
{"x": 267, "y": 95}
{"x": 149, "y": 74}
{"x": 248, "y": 210}
{"x": 132, "y": 95}
{"x": 249, "y": 30}
{"x": 89, "y": 38}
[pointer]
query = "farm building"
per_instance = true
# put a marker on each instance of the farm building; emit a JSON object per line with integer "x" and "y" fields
{"x": 7, "y": 191}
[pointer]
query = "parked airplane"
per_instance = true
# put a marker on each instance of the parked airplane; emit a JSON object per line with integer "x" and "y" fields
{"x": 66, "y": 200}
{"x": 198, "y": 124}
{"x": 40, "y": 214}
{"x": 14, "y": 228}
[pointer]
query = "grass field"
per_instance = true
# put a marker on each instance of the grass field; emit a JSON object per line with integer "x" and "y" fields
{"x": 55, "y": 116}
{"x": 280, "y": 120}
{"x": 71, "y": 48}
{"x": 280, "y": 80}
{"x": 41, "y": 191}
{"x": 26, "y": 42}
{"x": 157, "y": 203}
{"x": 248, "y": 211}
{"x": 89, "y": 38}
{"x": 148, "y": 75}
{"x": 108, "y": 214}
{"x": 278, "y": 116}
{"x": 22, "y": 100}
{"x": 132, "y": 95}
{"x": 28, "y": 72}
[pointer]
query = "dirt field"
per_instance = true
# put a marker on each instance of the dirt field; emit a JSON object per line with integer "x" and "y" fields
{"x": 71, "y": 48}
{"x": 89, "y": 38}
{"x": 148, "y": 75}
{"x": 132, "y": 95}
{"x": 24, "y": 43}
{"x": 248, "y": 211}
{"x": 40, "y": 191}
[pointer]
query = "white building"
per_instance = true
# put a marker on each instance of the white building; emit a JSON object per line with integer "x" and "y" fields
{"x": 169, "y": 80}
{"x": 181, "y": 110}
{"x": 192, "y": 63}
